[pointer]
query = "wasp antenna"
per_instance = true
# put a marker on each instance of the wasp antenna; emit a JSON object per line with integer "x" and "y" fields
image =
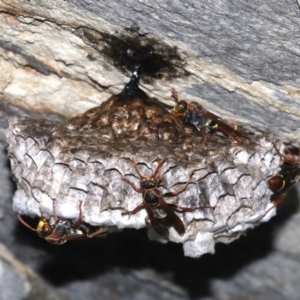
{"x": 25, "y": 223}
{"x": 290, "y": 158}
{"x": 79, "y": 220}
{"x": 137, "y": 168}
{"x": 54, "y": 211}
{"x": 175, "y": 95}
{"x": 160, "y": 162}
{"x": 276, "y": 202}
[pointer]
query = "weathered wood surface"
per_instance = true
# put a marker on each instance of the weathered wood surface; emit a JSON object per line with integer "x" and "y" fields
{"x": 240, "y": 60}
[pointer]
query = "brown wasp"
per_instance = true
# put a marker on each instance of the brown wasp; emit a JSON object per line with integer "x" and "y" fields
{"x": 161, "y": 214}
{"x": 207, "y": 122}
{"x": 58, "y": 231}
{"x": 281, "y": 182}
{"x": 288, "y": 176}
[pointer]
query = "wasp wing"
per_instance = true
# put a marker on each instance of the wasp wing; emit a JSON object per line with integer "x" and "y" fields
{"x": 231, "y": 131}
{"x": 171, "y": 218}
{"x": 160, "y": 228}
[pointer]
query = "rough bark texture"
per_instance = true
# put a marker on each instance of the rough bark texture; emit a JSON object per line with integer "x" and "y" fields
{"x": 240, "y": 60}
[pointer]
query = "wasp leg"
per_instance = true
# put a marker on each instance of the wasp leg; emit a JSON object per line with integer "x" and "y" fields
{"x": 277, "y": 201}
{"x": 133, "y": 185}
{"x": 175, "y": 193}
{"x": 79, "y": 220}
{"x": 134, "y": 211}
{"x": 54, "y": 211}
{"x": 290, "y": 158}
{"x": 203, "y": 135}
{"x": 178, "y": 114}
{"x": 189, "y": 209}
{"x": 148, "y": 223}
{"x": 232, "y": 135}
{"x": 98, "y": 232}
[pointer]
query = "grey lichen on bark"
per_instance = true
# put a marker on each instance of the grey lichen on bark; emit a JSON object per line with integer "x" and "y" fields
{"x": 85, "y": 158}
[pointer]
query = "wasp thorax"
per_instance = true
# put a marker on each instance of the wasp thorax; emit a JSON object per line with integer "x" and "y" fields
{"x": 151, "y": 197}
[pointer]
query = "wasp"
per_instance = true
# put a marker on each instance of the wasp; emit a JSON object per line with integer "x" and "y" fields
{"x": 281, "y": 182}
{"x": 288, "y": 175}
{"x": 161, "y": 214}
{"x": 58, "y": 231}
{"x": 207, "y": 122}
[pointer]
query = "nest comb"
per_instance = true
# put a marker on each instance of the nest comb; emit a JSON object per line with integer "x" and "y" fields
{"x": 84, "y": 159}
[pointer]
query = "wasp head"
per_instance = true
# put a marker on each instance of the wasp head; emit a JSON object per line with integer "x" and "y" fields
{"x": 44, "y": 228}
{"x": 149, "y": 182}
{"x": 180, "y": 108}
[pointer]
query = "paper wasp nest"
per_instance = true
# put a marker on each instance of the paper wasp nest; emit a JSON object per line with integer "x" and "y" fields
{"x": 85, "y": 158}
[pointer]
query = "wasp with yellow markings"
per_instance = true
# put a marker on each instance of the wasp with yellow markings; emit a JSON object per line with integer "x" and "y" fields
{"x": 281, "y": 182}
{"x": 161, "y": 215}
{"x": 58, "y": 231}
{"x": 288, "y": 175}
{"x": 207, "y": 122}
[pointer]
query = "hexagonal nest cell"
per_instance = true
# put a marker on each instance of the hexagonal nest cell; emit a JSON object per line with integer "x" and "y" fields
{"x": 84, "y": 165}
